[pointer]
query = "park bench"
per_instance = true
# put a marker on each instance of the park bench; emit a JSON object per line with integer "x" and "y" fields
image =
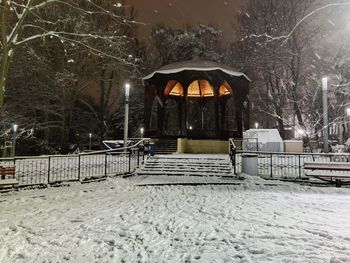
{"x": 337, "y": 173}
{"x": 4, "y": 173}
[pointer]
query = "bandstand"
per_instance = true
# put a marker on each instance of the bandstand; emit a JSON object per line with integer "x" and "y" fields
{"x": 196, "y": 99}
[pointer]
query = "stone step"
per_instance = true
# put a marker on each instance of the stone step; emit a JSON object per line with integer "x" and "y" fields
{"x": 206, "y": 164}
{"x": 187, "y": 165}
{"x": 176, "y": 157}
{"x": 196, "y": 169}
{"x": 187, "y": 173}
{"x": 193, "y": 167}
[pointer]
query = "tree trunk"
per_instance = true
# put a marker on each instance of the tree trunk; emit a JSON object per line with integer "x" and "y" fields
{"x": 4, "y": 68}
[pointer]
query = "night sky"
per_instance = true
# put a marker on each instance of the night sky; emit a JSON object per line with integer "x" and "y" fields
{"x": 177, "y": 13}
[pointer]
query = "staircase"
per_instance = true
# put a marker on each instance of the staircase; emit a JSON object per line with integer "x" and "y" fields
{"x": 187, "y": 164}
{"x": 166, "y": 146}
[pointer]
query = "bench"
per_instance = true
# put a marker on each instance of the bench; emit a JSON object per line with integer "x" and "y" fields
{"x": 337, "y": 173}
{"x": 7, "y": 171}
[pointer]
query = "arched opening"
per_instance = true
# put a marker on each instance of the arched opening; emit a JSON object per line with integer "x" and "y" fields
{"x": 153, "y": 124}
{"x": 171, "y": 118}
{"x": 230, "y": 120}
{"x": 209, "y": 116}
{"x": 173, "y": 88}
{"x": 225, "y": 89}
{"x": 200, "y": 89}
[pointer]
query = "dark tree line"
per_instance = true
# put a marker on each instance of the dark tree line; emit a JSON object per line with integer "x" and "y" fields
{"x": 63, "y": 75}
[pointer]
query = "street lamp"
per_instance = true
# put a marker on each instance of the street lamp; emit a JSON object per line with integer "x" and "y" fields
{"x": 90, "y": 136}
{"x": 142, "y": 131}
{"x": 325, "y": 114}
{"x": 126, "y": 116}
{"x": 256, "y": 125}
{"x": 14, "y": 127}
{"x": 346, "y": 120}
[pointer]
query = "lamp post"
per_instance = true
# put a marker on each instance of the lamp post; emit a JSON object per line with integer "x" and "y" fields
{"x": 346, "y": 120}
{"x": 142, "y": 130}
{"x": 14, "y": 127}
{"x": 325, "y": 114}
{"x": 90, "y": 136}
{"x": 126, "y": 116}
{"x": 256, "y": 125}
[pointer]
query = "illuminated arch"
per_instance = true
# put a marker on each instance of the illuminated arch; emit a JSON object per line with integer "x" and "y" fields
{"x": 174, "y": 88}
{"x": 200, "y": 88}
{"x": 225, "y": 89}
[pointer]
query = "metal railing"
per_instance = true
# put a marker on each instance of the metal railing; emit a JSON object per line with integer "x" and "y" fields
{"x": 51, "y": 169}
{"x": 285, "y": 165}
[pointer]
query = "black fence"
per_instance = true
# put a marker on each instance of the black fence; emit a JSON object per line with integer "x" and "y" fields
{"x": 286, "y": 165}
{"x": 51, "y": 169}
{"x": 282, "y": 165}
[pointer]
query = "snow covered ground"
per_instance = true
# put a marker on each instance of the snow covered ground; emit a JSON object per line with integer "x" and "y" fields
{"x": 118, "y": 221}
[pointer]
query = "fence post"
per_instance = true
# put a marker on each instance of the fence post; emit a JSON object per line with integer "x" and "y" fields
{"x": 138, "y": 157}
{"x": 233, "y": 160}
{"x": 78, "y": 167}
{"x": 129, "y": 161}
{"x": 106, "y": 164}
{"x": 299, "y": 167}
{"x": 48, "y": 170}
{"x": 14, "y": 165}
{"x": 271, "y": 165}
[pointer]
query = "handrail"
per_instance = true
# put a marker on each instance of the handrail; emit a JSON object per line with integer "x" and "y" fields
{"x": 232, "y": 143}
{"x": 295, "y": 153}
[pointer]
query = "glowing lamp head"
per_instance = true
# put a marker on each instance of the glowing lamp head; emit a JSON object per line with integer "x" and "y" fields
{"x": 142, "y": 130}
{"x": 324, "y": 83}
{"x": 15, "y": 126}
{"x": 127, "y": 90}
{"x": 347, "y": 111}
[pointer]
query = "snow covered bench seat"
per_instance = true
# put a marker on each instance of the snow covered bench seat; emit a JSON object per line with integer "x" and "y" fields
{"x": 6, "y": 171}
{"x": 4, "y": 182}
{"x": 333, "y": 172}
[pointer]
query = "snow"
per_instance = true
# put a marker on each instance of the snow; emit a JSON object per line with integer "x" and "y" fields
{"x": 196, "y": 66}
{"x": 269, "y": 140}
{"x": 118, "y": 221}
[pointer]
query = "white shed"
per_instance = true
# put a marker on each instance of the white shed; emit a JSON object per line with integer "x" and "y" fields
{"x": 266, "y": 140}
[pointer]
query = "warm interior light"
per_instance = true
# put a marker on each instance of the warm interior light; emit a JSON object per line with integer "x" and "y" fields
{"x": 225, "y": 89}
{"x": 174, "y": 88}
{"x": 200, "y": 88}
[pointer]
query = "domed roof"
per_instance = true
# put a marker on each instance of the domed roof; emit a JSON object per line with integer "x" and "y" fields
{"x": 196, "y": 65}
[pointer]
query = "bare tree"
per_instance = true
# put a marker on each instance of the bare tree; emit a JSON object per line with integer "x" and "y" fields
{"x": 284, "y": 70}
{"x": 24, "y": 21}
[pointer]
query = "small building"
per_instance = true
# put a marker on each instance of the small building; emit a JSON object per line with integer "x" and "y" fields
{"x": 196, "y": 99}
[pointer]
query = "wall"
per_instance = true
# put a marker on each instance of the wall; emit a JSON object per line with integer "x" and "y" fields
{"x": 202, "y": 146}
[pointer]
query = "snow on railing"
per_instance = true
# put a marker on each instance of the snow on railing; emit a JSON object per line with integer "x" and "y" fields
{"x": 51, "y": 169}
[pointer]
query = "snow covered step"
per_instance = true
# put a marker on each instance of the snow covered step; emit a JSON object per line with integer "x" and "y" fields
{"x": 180, "y": 165}
{"x": 181, "y": 169}
{"x": 187, "y": 173}
{"x": 186, "y": 170}
{"x": 185, "y": 165}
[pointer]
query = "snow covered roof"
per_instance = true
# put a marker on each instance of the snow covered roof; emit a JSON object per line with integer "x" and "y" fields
{"x": 196, "y": 65}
